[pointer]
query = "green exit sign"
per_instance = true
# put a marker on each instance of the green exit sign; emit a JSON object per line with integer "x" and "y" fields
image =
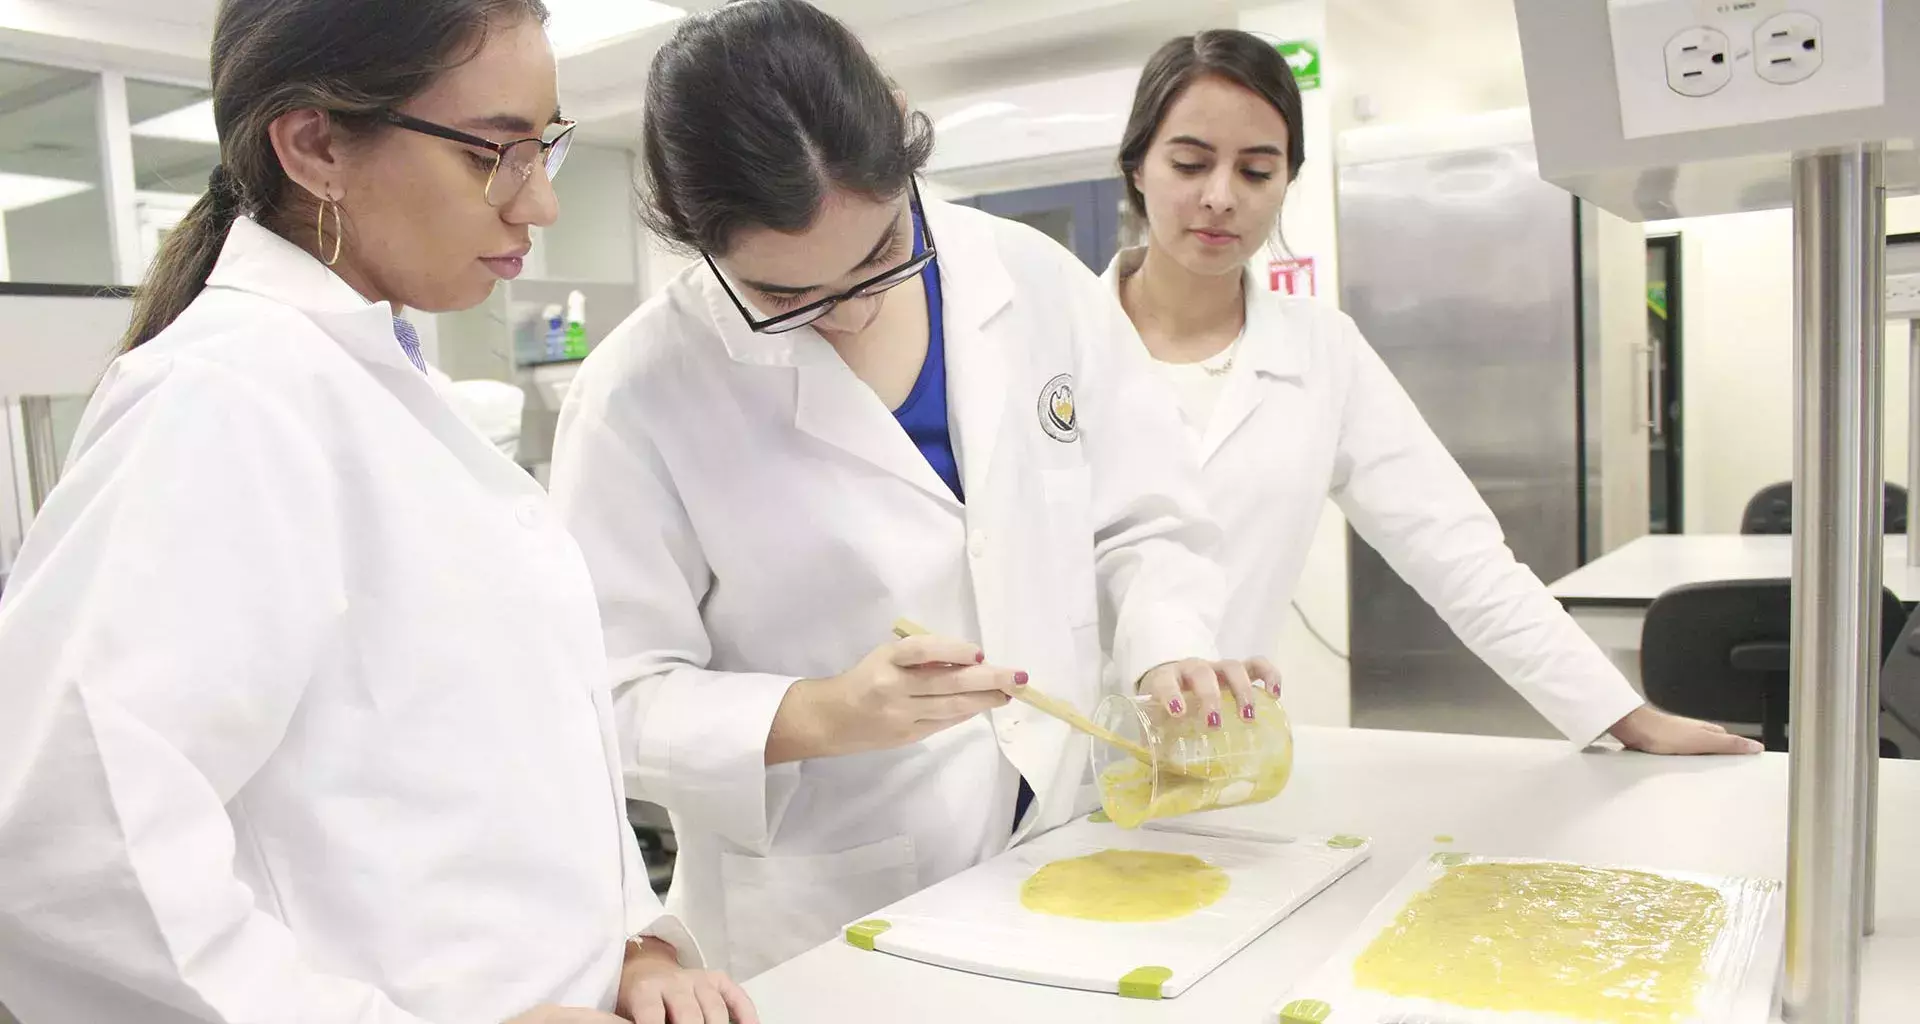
{"x": 1303, "y": 56}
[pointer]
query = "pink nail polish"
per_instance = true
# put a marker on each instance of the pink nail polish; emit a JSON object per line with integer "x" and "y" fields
{"x": 980, "y": 658}
{"x": 1176, "y": 707}
{"x": 1246, "y": 712}
{"x": 1019, "y": 679}
{"x": 1213, "y": 719}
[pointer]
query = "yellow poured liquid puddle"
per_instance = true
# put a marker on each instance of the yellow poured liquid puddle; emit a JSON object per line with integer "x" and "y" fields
{"x": 1124, "y": 886}
{"x": 1593, "y": 945}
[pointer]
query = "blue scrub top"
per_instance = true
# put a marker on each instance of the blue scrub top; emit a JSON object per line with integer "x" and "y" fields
{"x": 924, "y": 417}
{"x": 924, "y": 414}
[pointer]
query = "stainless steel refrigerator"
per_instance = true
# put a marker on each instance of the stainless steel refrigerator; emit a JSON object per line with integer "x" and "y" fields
{"x": 1515, "y": 317}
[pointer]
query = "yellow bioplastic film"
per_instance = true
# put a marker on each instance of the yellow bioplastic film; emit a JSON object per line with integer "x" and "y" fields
{"x": 1481, "y": 940}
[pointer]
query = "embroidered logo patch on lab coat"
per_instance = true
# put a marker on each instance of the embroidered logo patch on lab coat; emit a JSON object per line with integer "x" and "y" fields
{"x": 1056, "y": 410}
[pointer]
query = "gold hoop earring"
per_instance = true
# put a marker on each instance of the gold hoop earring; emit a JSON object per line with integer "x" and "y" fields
{"x": 320, "y": 231}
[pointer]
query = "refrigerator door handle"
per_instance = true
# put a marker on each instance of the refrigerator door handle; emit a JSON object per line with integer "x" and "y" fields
{"x": 1656, "y": 389}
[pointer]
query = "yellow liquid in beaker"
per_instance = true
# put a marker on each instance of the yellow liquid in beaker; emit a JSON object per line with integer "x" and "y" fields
{"x": 1132, "y": 792}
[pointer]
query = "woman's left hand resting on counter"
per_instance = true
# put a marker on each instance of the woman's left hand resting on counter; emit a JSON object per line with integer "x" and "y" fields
{"x": 1653, "y": 731}
{"x": 655, "y": 989}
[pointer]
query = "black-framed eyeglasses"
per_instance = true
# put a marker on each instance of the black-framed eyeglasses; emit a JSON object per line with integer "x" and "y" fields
{"x": 798, "y": 318}
{"x": 513, "y": 162}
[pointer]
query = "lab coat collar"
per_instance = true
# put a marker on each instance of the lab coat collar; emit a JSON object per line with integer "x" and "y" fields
{"x": 835, "y": 406}
{"x": 256, "y": 260}
{"x": 1267, "y": 347}
{"x": 974, "y": 287}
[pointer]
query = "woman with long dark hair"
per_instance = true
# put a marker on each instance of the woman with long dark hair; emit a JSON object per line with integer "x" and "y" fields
{"x": 304, "y": 714}
{"x": 861, "y": 405}
{"x": 1287, "y": 406}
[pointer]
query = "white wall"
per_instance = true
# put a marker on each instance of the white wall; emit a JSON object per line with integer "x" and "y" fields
{"x": 1404, "y": 61}
{"x": 1318, "y": 685}
{"x": 1736, "y": 297}
{"x": 660, "y": 265}
{"x": 594, "y": 238}
{"x": 61, "y": 242}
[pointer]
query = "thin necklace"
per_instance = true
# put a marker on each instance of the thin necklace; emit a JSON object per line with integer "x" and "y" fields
{"x": 1233, "y": 352}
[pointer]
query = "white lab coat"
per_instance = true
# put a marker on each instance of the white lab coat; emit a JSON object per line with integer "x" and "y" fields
{"x": 1310, "y": 412}
{"x": 753, "y": 514}
{"x": 304, "y": 715}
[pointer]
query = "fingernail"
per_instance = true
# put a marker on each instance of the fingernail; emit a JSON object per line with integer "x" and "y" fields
{"x": 1019, "y": 679}
{"x": 980, "y": 658}
{"x": 1246, "y": 712}
{"x": 1213, "y": 719}
{"x": 1274, "y": 689}
{"x": 1176, "y": 707}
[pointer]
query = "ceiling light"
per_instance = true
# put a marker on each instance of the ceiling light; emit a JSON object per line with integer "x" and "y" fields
{"x": 193, "y": 123}
{"x": 970, "y": 114}
{"x": 575, "y": 26}
{"x": 18, "y": 191}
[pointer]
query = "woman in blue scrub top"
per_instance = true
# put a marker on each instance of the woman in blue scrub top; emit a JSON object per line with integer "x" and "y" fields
{"x": 860, "y": 406}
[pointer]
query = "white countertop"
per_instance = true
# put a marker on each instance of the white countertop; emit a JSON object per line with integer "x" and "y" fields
{"x": 1643, "y": 569}
{"x": 1532, "y": 798}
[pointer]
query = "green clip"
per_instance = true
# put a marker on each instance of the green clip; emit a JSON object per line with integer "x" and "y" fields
{"x": 1145, "y": 982}
{"x": 1305, "y": 1011}
{"x": 1346, "y": 842}
{"x": 1447, "y": 860}
{"x": 862, "y": 935}
{"x": 1099, "y": 818}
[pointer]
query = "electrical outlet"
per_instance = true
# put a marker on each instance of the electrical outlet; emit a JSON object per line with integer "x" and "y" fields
{"x": 1779, "y": 59}
{"x": 1699, "y": 62}
{"x": 1787, "y": 48}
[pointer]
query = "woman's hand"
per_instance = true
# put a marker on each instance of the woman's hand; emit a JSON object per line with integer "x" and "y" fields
{"x": 900, "y": 693}
{"x": 655, "y": 989}
{"x": 1651, "y": 730}
{"x": 1200, "y": 687}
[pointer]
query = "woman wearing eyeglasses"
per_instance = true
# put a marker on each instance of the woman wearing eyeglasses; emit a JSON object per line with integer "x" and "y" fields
{"x": 860, "y": 406}
{"x": 304, "y": 714}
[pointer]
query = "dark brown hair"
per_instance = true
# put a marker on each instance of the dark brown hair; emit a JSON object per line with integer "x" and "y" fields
{"x": 1239, "y": 57}
{"x": 354, "y": 59}
{"x": 755, "y": 112}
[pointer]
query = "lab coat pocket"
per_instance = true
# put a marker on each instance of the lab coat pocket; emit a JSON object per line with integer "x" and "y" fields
{"x": 1069, "y": 494}
{"x": 779, "y": 907}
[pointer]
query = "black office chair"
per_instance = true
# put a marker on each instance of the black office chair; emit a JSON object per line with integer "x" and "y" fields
{"x": 1770, "y": 510}
{"x": 1720, "y": 651}
{"x": 658, "y": 849}
{"x": 1900, "y": 691}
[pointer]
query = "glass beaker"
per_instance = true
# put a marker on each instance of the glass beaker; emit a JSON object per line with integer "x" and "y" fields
{"x": 1193, "y": 768}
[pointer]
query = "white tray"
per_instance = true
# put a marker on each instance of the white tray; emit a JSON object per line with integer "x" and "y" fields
{"x": 1750, "y": 948}
{"x": 974, "y": 921}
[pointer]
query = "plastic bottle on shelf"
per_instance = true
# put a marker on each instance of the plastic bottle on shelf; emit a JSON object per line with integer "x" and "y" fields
{"x": 556, "y": 324}
{"x": 576, "y": 343}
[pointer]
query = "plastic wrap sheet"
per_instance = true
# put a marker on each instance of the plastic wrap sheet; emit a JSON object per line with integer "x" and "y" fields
{"x": 1482, "y": 940}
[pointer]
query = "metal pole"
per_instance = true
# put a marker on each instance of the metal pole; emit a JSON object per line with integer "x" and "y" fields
{"x": 1839, "y": 244}
{"x": 43, "y": 458}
